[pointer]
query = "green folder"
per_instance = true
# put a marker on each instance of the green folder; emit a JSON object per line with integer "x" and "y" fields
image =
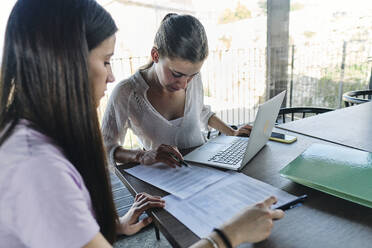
{"x": 339, "y": 171}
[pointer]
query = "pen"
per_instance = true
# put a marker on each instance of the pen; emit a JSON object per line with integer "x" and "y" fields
{"x": 293, "y": 203}
{"x": 180, "y": 161}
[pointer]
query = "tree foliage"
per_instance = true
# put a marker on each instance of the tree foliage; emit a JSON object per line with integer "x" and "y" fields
{"x": 241, "y": 12}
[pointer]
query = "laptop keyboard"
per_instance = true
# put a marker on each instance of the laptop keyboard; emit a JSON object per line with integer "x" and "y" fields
{"x": 233, "y": 154}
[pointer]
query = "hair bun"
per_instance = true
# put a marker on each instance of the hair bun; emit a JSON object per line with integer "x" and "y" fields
{"x": 168, "y": 16}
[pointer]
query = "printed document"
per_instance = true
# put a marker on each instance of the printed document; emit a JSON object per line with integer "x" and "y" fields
{"x": 219, "y": 202}
{"x": 182, "y": 181}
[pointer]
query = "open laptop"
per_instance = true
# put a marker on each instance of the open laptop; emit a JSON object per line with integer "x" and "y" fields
{"x": 233, "y": 152}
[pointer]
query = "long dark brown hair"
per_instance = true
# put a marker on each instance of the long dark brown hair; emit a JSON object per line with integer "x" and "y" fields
{"x": 44, "y": 79}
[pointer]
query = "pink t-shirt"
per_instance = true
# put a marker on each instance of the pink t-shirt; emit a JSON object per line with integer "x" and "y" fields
{"x": 43, "y": 199}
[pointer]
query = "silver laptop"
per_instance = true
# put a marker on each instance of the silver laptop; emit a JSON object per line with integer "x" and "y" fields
{"x": 233, "y": 152}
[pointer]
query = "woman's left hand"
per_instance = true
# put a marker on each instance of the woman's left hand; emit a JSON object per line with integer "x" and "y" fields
{"x": 244, "y": 131}
{"x": 129, "y": 223}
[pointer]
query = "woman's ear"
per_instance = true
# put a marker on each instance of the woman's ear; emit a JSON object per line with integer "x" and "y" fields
{"x": 154, "y": 54}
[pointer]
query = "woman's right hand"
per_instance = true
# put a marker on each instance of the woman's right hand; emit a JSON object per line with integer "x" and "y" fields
{"x": 164, "y": 153}
{"x": 254, "y": 224}
{"x": 129, "y": 223}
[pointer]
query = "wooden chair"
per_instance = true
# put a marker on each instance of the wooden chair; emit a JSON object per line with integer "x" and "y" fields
{"x": 299, "y": 112}
{"x": 356, "y": 97}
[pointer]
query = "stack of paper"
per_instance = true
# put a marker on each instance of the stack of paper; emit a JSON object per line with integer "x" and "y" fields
{"x": 219, "y": 202}
{"x": 182, "y": 182}
{"x": 202, "y": 197}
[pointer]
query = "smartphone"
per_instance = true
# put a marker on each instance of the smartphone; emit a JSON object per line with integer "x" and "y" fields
{"x": 281, "y": 137}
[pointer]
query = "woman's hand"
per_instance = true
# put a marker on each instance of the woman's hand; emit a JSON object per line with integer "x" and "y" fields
{"x": 129, "y": 223}
{"x": 244, "y": 131}
{"x": 254, "y": 224}
{"x": 164, "y": 153}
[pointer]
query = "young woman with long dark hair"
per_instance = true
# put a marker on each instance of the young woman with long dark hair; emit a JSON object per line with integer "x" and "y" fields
{"x": 54, "y": 186}
{"x": 163, "y": 102}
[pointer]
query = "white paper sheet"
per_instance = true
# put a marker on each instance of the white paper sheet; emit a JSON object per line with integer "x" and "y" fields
{"x": 219, "y": 202}
{"x": 182, "y": 181}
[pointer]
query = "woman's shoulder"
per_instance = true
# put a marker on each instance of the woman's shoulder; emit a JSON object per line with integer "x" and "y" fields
{"x": 34, "y": 161}
{"x": 124, "y": 86}
{"x": 128, "y": 86}
{"x": 45, "y": 181}
{"x": 29, "y": 149}
{"x": 53, "y": 169}
{"x": 197, "y": 84}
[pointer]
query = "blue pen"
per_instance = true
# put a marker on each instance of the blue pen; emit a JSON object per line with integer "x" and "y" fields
{"x": 293, "y": 203}
{"x": 179, "y": 160}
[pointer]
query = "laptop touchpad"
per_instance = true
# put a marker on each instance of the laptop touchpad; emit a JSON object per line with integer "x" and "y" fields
{"x": 212, "y": 147}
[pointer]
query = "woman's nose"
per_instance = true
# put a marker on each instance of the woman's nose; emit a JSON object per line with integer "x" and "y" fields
{"x": 110, "y": 76}
{"x": 184, "y": 81}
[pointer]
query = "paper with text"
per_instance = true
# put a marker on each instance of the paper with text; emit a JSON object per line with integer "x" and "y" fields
{"x": 219, "y": 202}
{"x": 182, "y": 182}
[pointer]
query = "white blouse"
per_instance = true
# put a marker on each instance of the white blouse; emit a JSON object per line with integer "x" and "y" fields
{"x": 128, "y": 107}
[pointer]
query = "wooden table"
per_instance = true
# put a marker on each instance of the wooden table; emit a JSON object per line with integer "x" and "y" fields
{"x": 350, "y": 126}
{"x": 323, "y": 220}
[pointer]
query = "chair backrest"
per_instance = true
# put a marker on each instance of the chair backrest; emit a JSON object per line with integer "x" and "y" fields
{"x": 299, "y": 112}
{"x": 356, "y": 97}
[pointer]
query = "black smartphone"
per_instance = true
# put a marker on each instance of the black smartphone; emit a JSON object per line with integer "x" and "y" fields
{"x": 281, "y": 137}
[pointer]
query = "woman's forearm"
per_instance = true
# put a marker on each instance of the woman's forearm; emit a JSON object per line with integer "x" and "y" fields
{"x": 205, "y": 243}
{"x": 221, "y": 126}
{"x": 123, "y": 155}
